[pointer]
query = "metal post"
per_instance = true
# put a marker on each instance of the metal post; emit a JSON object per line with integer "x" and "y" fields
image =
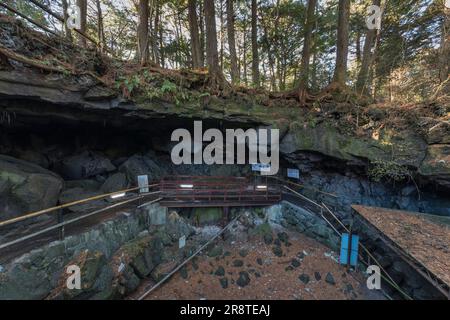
{"x": 61, "y": 220}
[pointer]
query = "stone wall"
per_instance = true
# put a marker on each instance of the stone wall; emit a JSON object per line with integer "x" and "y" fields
{"x": 296, "y": 218}
{"x": 113, "y": 257}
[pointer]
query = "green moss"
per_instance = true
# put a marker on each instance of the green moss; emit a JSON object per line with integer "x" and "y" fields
{"x": 207, "y": 215}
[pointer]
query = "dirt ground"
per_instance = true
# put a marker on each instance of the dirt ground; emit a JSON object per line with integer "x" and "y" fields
{"x": 251, "y": 270}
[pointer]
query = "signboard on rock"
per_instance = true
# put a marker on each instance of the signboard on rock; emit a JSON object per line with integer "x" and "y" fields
{"x": 293, "y": 173}
{"x": 143, "y": 184}
{"x": 259, "y": 167}
{"x": 182, "y": 242}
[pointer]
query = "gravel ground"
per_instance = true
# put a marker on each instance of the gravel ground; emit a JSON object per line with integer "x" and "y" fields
{"x": 297, "y": 268}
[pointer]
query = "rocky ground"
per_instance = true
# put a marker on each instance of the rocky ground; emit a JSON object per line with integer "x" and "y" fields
{"x": 287, "y": 266}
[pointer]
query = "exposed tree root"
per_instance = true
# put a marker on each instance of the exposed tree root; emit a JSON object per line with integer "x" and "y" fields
{"x": 36, "y": 64}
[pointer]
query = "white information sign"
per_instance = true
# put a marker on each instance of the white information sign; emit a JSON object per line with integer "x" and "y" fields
{"x": 143, "y": 184}
{"x": 182, "y": 242}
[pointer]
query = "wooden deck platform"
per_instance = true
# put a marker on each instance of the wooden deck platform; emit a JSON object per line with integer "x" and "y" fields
{"x": 422, "y": 240}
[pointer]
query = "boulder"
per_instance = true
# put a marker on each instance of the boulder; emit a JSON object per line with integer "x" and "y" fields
{"x": 26, "y": 187}
{"x": 134, "y": 261}
{"x": 437, "y": 164}
{"x": 116, "y": 182}
{"x": 141, "y": 165}
{"x": 85, "y": 165}
{"x": 90, "y": 185}
{"x": 75, "y": 194}
{"x": 91, "y": 265}
{"x": 177, "y": 227}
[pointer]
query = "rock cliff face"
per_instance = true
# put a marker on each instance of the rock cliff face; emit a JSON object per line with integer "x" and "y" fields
{"x": 78, "y": 137}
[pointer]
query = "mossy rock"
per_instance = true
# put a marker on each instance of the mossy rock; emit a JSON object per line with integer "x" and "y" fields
{"x": 207, "y": 215}
{"x": 262, "y": 230}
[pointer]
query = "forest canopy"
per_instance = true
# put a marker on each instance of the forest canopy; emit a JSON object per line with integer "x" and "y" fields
{"x": 293, "y": 47}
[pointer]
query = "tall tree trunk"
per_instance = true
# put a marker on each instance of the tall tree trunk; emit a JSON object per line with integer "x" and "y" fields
{"x": 232, "y": 42}
{"x": 156, "y": 48}
{"x": 161, "y": 44}
{"x": 309, "y": 26}
{"x": 444, "y": 54}
{"x": 82, "y": 4}
{"x": 142, "y": 32}
{"x": 67, "y": 31}
{"x": 221, "y": 34}
{"x": 255, "y": 61}
{"x": 362, "y": 83}
{"x": 100, "y": 27}
{"x": 195, "y": 36}
{"x": 358, "y": 47}
{"x": 202, "y": 32}
{"x": 216, "y": 77}
{"x": 340, "y": 73}
{"x": 244, "y": 55}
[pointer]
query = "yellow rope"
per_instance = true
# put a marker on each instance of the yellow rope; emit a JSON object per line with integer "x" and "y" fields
{"x": 71, "y": 204}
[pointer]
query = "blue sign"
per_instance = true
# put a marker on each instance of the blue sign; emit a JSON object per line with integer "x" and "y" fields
{"x": 293, "y": 173}
{"x": 345, "y": 250}
{"x": 259, "y": 167}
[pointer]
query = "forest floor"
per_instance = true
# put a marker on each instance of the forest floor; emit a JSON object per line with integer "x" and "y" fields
{"x": 300, "y": 269}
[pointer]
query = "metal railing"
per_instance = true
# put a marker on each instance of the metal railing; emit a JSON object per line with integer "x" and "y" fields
{"x": 62, "y": 223}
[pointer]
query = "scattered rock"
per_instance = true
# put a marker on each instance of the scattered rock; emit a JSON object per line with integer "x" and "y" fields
{"x": 244, "y": 279}
{"x": 259, "y": 261}
{"x": 295, "y": 263}
{"x": 348, "y": 288}
{"x": 284, "y": 237}
{"x": 238, "y": 263}
{"x": 184, "y": 272}
{"x": 277, "y": 251}
{"x": 268, "y": 238}
{"x": 220, "y": 271}
{"x": 317, "y": 276}
{"x": 330, "y": 279}
{"x": 224, "y": 283}
{"x": 304, "y": 278}
{"x": 243, "y": 253}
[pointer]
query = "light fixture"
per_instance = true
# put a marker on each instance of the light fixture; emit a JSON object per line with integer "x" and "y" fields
{"x": 261, "y": 187}
{"x": 118, "y": 195}
{"x": 186, "y": 186}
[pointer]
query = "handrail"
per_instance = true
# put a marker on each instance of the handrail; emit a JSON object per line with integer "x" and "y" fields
{"x": 71, "y": 204}
{"x": 323, "y": 206}
{"x": 62, "y": 224}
